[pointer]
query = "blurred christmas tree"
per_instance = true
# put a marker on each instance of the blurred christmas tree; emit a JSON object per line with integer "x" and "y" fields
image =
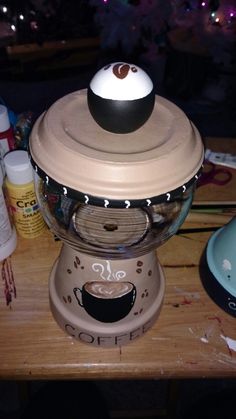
{"x": 144, "y": 30}
{"x": 147, "y": 23}
{"x": 194, "y": 32}
{"x": 25, "y": 21}
{"x": 132, "y": 24}
{"x": 129, "y": 24}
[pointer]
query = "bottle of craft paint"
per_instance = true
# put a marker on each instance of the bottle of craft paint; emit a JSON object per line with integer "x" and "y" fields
{"x": 8, "y": 239}
{"x": 7, "y": 141}
{"x": 20, "y": 189}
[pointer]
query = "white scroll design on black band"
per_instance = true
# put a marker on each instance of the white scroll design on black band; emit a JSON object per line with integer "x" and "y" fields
{"x": 106, "y": 202}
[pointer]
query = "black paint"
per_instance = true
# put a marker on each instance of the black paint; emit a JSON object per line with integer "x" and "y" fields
{"x": 106, "y": 310}
{"x": 55, "y": 187}
{"x": 120, "y": 116}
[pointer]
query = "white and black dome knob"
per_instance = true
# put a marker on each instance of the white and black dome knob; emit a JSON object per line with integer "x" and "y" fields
{"x": 121, "y": 97}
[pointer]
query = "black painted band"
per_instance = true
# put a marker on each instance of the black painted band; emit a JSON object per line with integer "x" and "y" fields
{"x": 86, "y": 198}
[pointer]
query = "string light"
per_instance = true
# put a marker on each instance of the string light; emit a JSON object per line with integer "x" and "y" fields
{"x": 220, "y": 14}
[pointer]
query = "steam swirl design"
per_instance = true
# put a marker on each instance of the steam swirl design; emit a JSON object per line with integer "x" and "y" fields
{"x": 107, "y": 273}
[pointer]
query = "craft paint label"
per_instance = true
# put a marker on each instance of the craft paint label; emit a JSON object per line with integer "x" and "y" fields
{"x": 25, "y": 211}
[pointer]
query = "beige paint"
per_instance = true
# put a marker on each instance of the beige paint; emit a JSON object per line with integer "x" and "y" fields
{"x": 71, "y": 148}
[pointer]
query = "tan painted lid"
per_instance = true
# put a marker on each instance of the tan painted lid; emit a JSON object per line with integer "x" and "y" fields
{"x": 67, "y": 146}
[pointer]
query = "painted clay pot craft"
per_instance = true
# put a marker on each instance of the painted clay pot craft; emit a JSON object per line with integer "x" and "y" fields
{"x": 112, "y": 196}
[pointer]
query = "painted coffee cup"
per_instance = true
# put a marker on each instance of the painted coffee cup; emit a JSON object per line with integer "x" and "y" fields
{"x": 106, "y": 301}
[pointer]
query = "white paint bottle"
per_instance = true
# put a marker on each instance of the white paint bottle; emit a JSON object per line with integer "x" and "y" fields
{"x": 8, "y": 239}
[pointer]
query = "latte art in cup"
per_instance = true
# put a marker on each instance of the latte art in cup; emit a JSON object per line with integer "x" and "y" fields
{"x": 100, "y": 289}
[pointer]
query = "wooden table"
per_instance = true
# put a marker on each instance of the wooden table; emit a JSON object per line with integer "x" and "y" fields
{"x": 189, "y": 339}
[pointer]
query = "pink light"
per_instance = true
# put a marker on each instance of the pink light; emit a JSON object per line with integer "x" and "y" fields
{"x": 231, "y": 14}
{"x": 203, "y": 4}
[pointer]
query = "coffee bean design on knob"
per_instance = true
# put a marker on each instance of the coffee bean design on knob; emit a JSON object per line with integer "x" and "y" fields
{"x": 121, "y": 70}
{"x": 121, "y": 97}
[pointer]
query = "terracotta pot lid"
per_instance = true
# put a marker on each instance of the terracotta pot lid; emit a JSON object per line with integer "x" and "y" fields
{"x": 152, "y": 164}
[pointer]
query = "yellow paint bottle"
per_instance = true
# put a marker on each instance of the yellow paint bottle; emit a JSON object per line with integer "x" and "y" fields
{"x": 21, "y": 196}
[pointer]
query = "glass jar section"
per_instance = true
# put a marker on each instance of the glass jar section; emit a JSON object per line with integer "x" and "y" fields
{"x": 111, "y": 232}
